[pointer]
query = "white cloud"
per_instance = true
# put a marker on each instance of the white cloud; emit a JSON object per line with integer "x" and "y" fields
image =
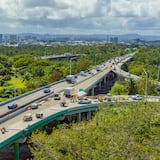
{"x": 80, "y": 16}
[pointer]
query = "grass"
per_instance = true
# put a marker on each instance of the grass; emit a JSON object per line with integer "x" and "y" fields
{"x": 19, "y": 83}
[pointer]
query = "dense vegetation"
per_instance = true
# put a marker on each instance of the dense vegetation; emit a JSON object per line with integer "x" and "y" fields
{"x": 123, "y": 131}
{"x": 146, "y": 59}
{"x": 33, "y": 72}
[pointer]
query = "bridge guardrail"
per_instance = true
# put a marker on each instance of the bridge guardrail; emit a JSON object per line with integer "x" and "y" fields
{"x": 45, "y": 121}
{"x": 28, "y": 93}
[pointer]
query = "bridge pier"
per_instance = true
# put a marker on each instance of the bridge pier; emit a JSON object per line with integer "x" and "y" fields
{"x": 88, "y": 115}
{"x": 16, "y": 151}
{"x": 92, "y": 92}
{"x": 100, "y": 84}
{"x": 79, "y": 117}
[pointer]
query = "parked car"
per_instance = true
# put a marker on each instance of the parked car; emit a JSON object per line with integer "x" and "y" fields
{"x": 27, "y": 117}
{"x": 46, "y": 90}
{"x": 137, "y": 97}
{"x": 56, "y": 96}
{"x": 12, "y": 106}
{"x": 84, "y": 101}
{"x": 34, "y": 106}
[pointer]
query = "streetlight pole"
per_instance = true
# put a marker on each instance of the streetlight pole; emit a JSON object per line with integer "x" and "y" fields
{"x": 146, "y": 84}
{"x": 95, "y": 60}
{"x": 70, "y": 65}
{"x": 15, "y": 78}
{"x": 158, "y": 72}
{"x": 15, "y": 82}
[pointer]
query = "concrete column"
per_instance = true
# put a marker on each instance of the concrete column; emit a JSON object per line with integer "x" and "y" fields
{"x": 92, "y": 91}
{"x": 88, "y": 115}
{"x": 79, "y": 117}
{"x": 100, "y": 84}
{"x": 69, "y": 117}
{"x": 16, "y": 151}
{"x": 84, "y": 116}
{"x": 104, "y": 80}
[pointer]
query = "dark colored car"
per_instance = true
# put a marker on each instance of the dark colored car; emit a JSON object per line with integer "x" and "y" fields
{"x": 12, "y": 106}
{"x": 56, "y": 96}
{"x": 46, "y": 90}
{"x": 34, "y": 106}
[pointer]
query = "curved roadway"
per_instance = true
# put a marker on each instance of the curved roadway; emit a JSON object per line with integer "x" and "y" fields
{"x": 48, "y": 107}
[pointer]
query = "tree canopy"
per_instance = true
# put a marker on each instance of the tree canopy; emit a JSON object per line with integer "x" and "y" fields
{"x": 123, "y": 131}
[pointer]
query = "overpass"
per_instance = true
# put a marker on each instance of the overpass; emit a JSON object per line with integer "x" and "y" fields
{"x": 60, "y": 57}
{"x": 17, "y": 129}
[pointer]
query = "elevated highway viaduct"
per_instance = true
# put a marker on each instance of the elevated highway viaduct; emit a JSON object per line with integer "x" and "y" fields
{"x": 17, "y": 129}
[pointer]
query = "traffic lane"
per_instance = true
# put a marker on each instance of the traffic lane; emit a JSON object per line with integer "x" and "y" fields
{"x": 17, "y": 124}
{"x": 29, "y": 98}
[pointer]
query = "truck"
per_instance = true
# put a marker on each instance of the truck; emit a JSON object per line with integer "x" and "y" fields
{"x": 69, "y": 91}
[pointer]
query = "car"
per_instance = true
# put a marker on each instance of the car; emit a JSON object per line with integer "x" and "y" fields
{"x": 12, "y": 106}
{"x": 46, "y": 90}
{"x": 71, "y": 79}
{"x": 28, "y": 117}
{"x": 82, "y": 73}
{"x": 34, "y": 106}
{"x": 84, "y": 101}
{"x": 137, "y": 97}
{"x": 109, "y": 94}
{"x": 56, "y": 96}
{"x": 98, "y": 68}
{"x": 39, "y": 115}
{"x": 90, "y": 72}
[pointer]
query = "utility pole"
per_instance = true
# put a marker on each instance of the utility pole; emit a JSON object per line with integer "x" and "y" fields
{"x": 158, "y": 75}
{"x": 146, "y": 87}
{"x": 70, "y": 65}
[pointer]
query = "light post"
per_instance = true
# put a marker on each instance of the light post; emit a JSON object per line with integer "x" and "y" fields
{"x": 15, "y": 69}
{"x": 70, "y": 65}
{"x": 146, "y": 84}
{"x": 158, "y": 75}
{"x": 95, "y": 60}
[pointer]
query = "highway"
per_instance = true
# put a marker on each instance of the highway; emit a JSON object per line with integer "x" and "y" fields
{"x": 48, "y": 106}
{"x": 40, "y": 94}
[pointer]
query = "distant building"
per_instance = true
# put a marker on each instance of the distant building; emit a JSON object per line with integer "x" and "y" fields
{"x": 13, "y": 37}
{"x": 114, "y": 40}
{"x": 1, "y": 38}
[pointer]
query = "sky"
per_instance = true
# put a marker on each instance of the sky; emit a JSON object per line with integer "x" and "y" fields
{"x": 80, "y": 16}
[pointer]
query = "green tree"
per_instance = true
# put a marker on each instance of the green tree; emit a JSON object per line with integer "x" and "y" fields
{"x": 123, "y": 131}
{"x": 118, "y": 89}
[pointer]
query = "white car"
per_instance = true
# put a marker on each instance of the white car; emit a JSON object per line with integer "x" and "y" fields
{"x": 28, "y": 117}
{"x": 84, "y": 101}
{"x": 137, "y": 97}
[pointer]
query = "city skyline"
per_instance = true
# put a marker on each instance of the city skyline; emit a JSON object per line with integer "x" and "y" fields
{"x": 80, "y": 17}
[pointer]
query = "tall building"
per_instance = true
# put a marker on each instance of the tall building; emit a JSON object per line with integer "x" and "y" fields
{"x": 13, "y": 37}
{"x": 1, "y": 38}
{"x": 114, "y": 40}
